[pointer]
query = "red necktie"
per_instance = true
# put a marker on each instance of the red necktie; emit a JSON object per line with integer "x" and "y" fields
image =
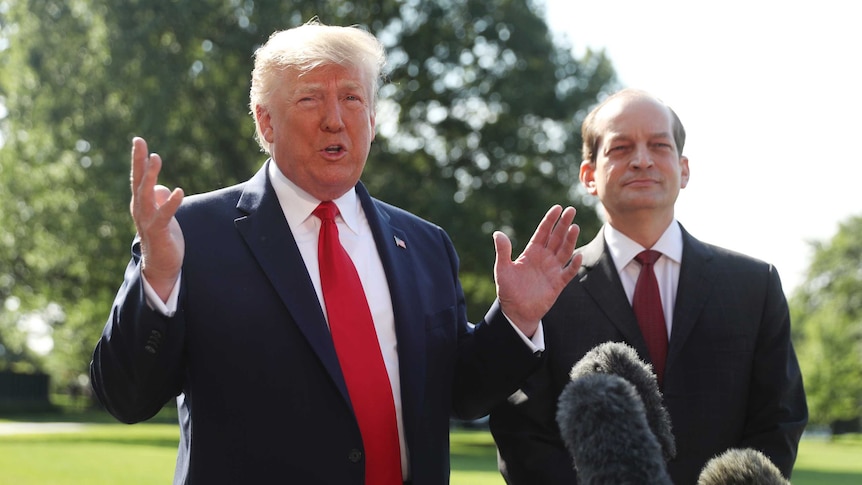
{"x": 358, "y": 353}
{"x": 647, "y": 306}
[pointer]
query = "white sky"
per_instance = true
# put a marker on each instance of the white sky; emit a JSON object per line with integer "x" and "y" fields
{"x": 770, "y": 94}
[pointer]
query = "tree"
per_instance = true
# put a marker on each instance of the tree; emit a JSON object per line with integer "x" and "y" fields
{"x": 827, "y": 314}
{"x": 478, "y": 130}
{"x": 60, "y": 213}
{"x": 489, "y": 109}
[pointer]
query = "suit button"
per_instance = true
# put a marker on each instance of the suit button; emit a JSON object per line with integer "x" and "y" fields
{"x": 153, "y": 341}
{"x": 355, "y": 456}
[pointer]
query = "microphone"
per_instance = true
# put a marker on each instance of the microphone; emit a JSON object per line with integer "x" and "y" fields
{"x": 616, "y": 429}
{"x": 741, "y": 467}
{"x": 621, "y": 359}
{"x": 603, "y": 424}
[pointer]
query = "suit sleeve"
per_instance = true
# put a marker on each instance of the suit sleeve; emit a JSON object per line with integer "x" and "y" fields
{"x": 777, "y": 409}
{"x": 529, "y": 445}
{"x": 137, "y": 362}
{"x": 492, "y": 359}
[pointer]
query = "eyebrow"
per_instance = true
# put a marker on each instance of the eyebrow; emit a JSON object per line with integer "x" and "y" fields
{"x": 342, "y": 86}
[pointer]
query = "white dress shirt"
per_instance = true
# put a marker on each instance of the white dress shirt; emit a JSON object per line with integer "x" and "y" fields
{"x": 356, "y": 238}
{"x": 623, "y": 251}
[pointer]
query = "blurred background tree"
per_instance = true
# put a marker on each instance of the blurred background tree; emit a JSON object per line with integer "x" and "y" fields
{"x": 478, "y": 131}
{"x": 827, "y": 317}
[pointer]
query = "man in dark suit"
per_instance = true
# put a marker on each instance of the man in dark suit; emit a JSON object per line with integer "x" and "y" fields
{"x": 730, "y": 377}
{"x": 224, "y": 303}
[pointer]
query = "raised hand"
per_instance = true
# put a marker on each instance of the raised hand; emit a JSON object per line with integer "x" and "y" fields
{"x": 529, "y": 286}
{"x": 153, "y": 208}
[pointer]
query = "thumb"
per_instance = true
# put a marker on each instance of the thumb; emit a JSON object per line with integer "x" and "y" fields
{"x": 503, "y": 248}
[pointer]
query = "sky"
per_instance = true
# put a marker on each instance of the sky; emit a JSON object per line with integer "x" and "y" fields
{"x": 770, "y": 94}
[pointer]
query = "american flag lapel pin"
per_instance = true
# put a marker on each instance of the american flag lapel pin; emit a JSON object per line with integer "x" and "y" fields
{"x": 400, "y": 242}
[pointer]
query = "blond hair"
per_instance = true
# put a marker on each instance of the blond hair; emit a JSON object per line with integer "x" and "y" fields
{"x": 307, "y": 47}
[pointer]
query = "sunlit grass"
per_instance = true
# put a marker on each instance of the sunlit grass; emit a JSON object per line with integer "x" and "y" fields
{"x": 473, "y": 458}
{"x": 108, "y": 454}
{"x": 832, "y": 462}
{"x": 144, "y": 454}
{"x": 821, "y": 462}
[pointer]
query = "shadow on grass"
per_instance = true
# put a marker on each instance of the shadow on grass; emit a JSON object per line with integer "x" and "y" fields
{"x": 812, "y": 477}
{"x": 105, "y": 430}
{"x": 168, "y": 415}
{"x": 85, "y": 439}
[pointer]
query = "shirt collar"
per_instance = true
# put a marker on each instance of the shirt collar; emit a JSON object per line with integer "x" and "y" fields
{"x": 623, "y": 249}
{"x": 298, "y": 204}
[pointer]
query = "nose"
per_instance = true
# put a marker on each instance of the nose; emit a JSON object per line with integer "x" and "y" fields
{"x": 331, "y": 119}
{"x": 641, "y": 157}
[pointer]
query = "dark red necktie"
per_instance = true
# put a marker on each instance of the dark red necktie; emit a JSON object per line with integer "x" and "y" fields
{"x": 358, "y": 353}
{"x": 648, "y": 310}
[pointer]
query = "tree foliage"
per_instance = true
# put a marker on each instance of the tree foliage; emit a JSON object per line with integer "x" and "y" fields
{"x": 478, "y": 130}
{"x": 827, "y": 314}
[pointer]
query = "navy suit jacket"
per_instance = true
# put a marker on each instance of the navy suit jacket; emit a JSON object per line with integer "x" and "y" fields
{"x": 731, "y": 379}
{"x": 260, "y": 392}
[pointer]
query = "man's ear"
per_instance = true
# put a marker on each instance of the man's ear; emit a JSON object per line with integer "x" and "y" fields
{"x": 588, "y": 176}
{"x": 684, "y": 173}
{"x": 264, "y": 122}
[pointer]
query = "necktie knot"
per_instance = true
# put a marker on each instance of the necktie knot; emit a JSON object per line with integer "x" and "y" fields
{"x": 647, "y": 257}
{"x": 326, "y": 211}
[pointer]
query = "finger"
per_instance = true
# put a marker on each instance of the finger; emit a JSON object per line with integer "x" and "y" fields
{"x": 168, "y": 209}
{"x": 152, "y": 167}
{"x": 139, "y": 159}
{"x": 567, "y": 248}
{"x": 572, "y": 268}
{"x": 559, "y": 238}
{"x": 503, "y": 249}
{"x": 141, "y": 204}
{"x": 145, "y": 190}
{"x": 545, "y": 227}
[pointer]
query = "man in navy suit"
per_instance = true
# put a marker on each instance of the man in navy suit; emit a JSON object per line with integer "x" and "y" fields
{"x": 731, "y": 378}
{"x": 222, "y": 307}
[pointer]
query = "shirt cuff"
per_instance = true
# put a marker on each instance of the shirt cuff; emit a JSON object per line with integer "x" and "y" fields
{"x": 536, "y": 344}
{"x": 166, "y": 308}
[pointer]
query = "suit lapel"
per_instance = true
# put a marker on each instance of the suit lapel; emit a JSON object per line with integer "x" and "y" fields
{"x": 275, "y": 249}
{"x": 600, "y": 279}
{"x": 693, "y": 291}
{"x": 393, "y": 246}
{"x": 270, "y": 240}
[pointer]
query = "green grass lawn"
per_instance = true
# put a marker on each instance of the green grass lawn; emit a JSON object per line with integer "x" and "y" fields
{"x": 110, "y": 454}
{"x": 474, "y": 458}
{"x": 820, "y": 462}
{"x": 835, "y": 462}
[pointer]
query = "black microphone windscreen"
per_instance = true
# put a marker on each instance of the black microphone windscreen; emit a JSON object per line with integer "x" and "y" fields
{"x": 602, "y": 422}
{"x": 620, "y": 359}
